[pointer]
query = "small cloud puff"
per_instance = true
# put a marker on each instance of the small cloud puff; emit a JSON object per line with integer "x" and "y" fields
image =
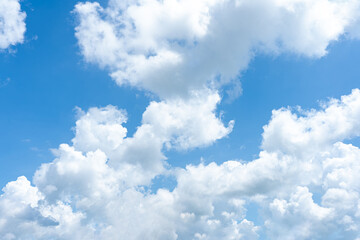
{"x": 12, "y": 23}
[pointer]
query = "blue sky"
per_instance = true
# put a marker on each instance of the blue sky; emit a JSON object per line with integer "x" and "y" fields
{"x": 47, "y": 75}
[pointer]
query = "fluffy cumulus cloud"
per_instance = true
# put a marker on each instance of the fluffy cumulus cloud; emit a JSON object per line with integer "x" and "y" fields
{"x": 98, "y": 188}
{"x": 171, "y": 47}
{"x": 304, "y": 184}
{"x": 12, "y": 25}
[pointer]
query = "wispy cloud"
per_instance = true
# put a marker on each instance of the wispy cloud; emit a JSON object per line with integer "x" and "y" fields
{"x": 4, "y": 82}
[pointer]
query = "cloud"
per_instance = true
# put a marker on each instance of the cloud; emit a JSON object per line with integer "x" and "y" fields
{"x": 12, "y": 23}
{"x": 315, "y": 129}
{"x": 187, "y": 123}
{"x": 298, "y": 217}
{"x": 304, "y": 184}
{"x": 93, "y": 189}
{"x": 174, "y": 47}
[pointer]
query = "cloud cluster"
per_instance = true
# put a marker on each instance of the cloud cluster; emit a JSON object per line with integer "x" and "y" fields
{"x": 172, "y": 47}
{"x": 12, "y": 25}
{"x": 304, "y": 184}
{"x": 98, "y": 188}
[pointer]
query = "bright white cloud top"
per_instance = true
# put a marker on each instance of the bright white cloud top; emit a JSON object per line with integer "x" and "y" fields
{"x": 172, "y": 47}
{"x": 12, "y": 23}
{"x": 95, "y": 188}
{"x": 305, "y": 182}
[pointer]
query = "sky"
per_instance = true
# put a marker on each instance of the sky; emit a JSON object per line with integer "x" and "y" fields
{"x": 179, "y": 119}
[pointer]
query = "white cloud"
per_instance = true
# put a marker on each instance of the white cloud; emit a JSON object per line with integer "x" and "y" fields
{"x": 302, "y": 153}
{"x": 100, "y": 128}
{"x": 298, "y": 218}
{"x": 305, "y": 181}
{"x": 173, "y": 47}
{"x": 99, "y": 191}
{"x": 315, "y": 129}
{"x": 12, "y": 25}
{"x": 187, "y": 123}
